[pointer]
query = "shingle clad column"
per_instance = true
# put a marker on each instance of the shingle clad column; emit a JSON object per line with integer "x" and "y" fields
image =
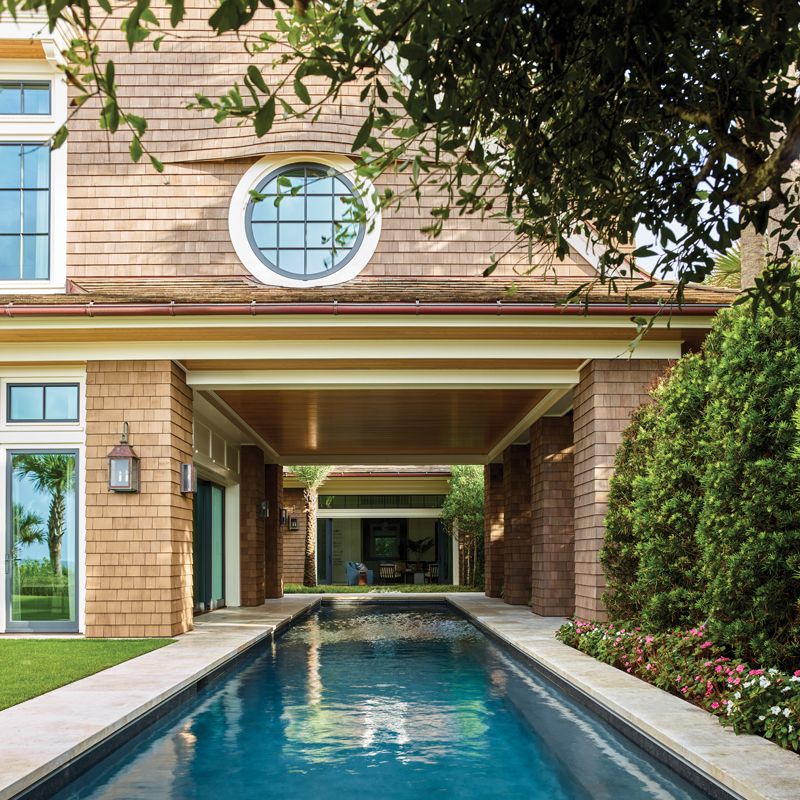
{"x": 608, "y": 391}
{"x": 517, "y": 519}
{"x": 138, "y": 546}
{"x": 273, "y": 547}
{"x": 252, "y": 525}
{"x": 552, "y": 517}
{"x": 493, "y": 529}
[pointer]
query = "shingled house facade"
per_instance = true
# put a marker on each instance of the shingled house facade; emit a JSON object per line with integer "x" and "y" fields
{"x": 213, "y": 333}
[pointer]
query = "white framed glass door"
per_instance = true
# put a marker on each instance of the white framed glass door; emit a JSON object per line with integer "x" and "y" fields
{"x": 42, "y": 540}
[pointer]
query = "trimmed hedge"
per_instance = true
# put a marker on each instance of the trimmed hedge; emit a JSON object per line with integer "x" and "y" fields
{"x": 703, "y": 524}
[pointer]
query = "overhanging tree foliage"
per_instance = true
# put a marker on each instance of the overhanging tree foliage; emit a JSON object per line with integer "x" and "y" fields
{"x": 311, "y": 477}
{"x": 584, "y": 117}
{"x": 462, "y": 517}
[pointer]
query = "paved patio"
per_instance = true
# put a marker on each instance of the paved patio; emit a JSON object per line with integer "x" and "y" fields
{"x": 47, "y": 732}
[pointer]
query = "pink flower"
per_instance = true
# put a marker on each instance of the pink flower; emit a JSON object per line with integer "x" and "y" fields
{"x": 756, "y": 671}
{"x": 684, "y": 690}
{"x": 740, "y": 667}
{"x": 705, "y": 645}
{"x": 715, "y": 704}
{"x": 649, "y": 639}
{"x": 797, "y": 673}
{"x": 718, "y": 668}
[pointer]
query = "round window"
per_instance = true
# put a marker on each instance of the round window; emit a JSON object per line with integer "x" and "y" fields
{"x": 305, "y": 221}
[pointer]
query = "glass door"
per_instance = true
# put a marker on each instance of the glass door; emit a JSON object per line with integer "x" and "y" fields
{"x": 42, "y": 541}
{"x": 209, "y": 546}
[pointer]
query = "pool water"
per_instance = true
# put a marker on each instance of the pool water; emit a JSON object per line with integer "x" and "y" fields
{"x": 386, "y": 703}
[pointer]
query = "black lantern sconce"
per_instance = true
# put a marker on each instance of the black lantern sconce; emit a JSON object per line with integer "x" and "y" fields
{"x": 123, "y": 466}
{"x": 284, "y": 516}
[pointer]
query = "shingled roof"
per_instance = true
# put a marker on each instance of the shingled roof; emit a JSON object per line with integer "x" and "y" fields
{"x": 368, "y": 290}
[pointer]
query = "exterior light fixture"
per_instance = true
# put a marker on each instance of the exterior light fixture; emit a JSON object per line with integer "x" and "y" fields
{"x": 123, "y": 466}
{"x": 294, "y": 525}
{"x": 188, "y": 479}
{"x": 284, "y": 516}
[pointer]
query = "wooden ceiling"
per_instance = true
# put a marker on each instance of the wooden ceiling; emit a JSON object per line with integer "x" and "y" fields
{"x": 347, "y": 425}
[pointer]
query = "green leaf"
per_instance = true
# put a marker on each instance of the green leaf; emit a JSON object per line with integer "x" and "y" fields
{"x": 301, "y": 91}
{"x": 59, "y": 137}
{"x": 257, "y": 79}
{"x": 157, "y": 165}
{"x": 177, "y": 12}
{"x": 139, "y": 124}
{"x": 364, "y": 133}
{"x": 265, "y": 117}
{"x": 136, "y": 149}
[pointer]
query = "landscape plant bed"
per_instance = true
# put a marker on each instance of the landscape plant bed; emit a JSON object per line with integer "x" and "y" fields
{"x": 408, "y": 588}
{"x": 34, "y": 666}
{"x": 764, "y": 702}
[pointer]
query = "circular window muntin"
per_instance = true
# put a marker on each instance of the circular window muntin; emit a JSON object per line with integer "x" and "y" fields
{"x": 326, "y": 171}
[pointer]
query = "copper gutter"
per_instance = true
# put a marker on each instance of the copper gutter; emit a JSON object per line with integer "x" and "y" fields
{"x": 254, "y": 308}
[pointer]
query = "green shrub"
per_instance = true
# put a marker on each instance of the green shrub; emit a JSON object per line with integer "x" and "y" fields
{"x": 619, "y": 555}
{"x": 667, "y": 502}
{"x": 749, "y": 525}
{"x": 704, "y": 509}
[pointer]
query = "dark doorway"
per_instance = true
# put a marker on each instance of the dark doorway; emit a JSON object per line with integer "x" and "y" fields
{"x": 209, "y": 546}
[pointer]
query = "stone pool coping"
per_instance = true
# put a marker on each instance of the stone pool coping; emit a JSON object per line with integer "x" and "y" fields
{"x": 748, "y": 766}
{"x": 43, "y": 736}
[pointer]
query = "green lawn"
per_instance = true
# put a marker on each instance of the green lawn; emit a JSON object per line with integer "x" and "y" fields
{"x": 30, "y": 667}
{"x": 409, "y": 588}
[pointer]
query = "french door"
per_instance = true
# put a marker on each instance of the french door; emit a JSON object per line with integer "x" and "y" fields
{"x": 41, "y": 563}
{"x": 209, "y": 546}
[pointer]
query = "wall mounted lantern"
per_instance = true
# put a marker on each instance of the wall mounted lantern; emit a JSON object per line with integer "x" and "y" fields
{"x": 284, "y": 516}
{"x": 123, "y": 466}
{"x": 188, "y": 479}
{"x": 294, "y": 525}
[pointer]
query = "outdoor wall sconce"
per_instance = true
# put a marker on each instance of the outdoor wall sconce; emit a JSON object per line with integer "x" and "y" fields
{"x": 284, "y": 516}
{"x": 294, "y": 525}
{"x": 188, "y": 479}
{"x": 123, "y": 466}
{"x": 263, "y": 509}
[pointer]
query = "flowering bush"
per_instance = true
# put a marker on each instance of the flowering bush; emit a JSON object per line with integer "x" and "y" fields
{"x": 765, "y": 702}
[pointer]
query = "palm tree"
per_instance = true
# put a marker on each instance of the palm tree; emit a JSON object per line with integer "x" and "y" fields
{"x": 727, "y": 273}
{"x": 26, "y": 527}
{"x": 53, "y": 474}
{"x": 311, "y": 477}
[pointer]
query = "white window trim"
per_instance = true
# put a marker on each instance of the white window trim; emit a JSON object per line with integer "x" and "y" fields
{"x": 39, "y": 128}
{"x": 237, "y": 225}
{"x": 45, "y": 435}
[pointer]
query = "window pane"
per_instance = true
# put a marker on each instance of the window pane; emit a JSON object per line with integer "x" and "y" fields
{"x": 9, "y": 210}
{"x": 344, "y": 209}
{"x": 27, "y": 403}
{"x": 319, "y": 261}
{"x": 293, "y": 235}
{"x": 36, "y": 166}
{"x": 320, "y": 207}
{"x": 292, "y": 179}
{"x": 320, "y": 184}
{"x": 292, "y": 208}
{"x": 345, "y": 236}
{"x": 36, "y": 211}
{"x": 9, "y": 257}
{"x": 319, "y": 234}
{"x": 265, "y": 210}
{"x": 61, "y": 403}
{"x": 271, "y": 256}
{"x": 10, "y": 98}
{"x": 265, "y": 234}
{"x": 36, "y": 98}
{"x": 9, "y": 166}
{"x": 35, "y": 257}
{"x": 292, "y": 261}
{"x": 43, "y": 537}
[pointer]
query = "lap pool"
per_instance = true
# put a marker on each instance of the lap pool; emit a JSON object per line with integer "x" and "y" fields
{"x": 382, "y": 702}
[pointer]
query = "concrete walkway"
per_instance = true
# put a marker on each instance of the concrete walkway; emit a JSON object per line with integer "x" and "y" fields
{"x": 41, "y": 735}
{"x": 47, "y": 732}
{"x": 748, "y": 765}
